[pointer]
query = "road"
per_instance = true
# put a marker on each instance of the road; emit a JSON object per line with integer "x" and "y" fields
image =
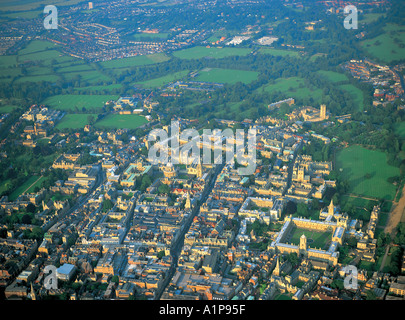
{"x": 176, "y": 248}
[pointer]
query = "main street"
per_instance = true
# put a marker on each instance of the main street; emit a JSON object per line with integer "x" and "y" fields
{"x": 176, "y": 248}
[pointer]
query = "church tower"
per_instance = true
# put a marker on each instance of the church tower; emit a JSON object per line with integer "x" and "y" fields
{"x": 331, "y": 208}
{"x": 277, "y": 270}
{"x": 188, "y": 202}
{"x": 323, "y": 112}
{"x": 301, "y": 173}
{"x": 303, "y": 244}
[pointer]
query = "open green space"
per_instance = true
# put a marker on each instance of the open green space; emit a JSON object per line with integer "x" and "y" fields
{"x": 279, "y": 52}
{"x": 22, "y": 188}
{"x": 315, "y": 239}
{"x": 75, "y": 121}
{"x": 135, "y": 61}
{"x": 366, "y": 172}
{"x": 69, "y": 102}
{"x": 150, "y": 36}
{"x": 161, "y": 81}
{"x": 389, "y": 46}
{"x": 121, "y": 121}
{"x": 294, "y": 87}
{"x": 333, "y": 76}
{"x": 219, "y": 75}
{"x": 199, "y": 52}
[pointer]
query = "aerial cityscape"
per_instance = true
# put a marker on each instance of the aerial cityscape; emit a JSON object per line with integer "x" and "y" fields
{"x": 218, "y": 150}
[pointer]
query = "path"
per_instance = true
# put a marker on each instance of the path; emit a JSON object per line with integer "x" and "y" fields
{"x": 31, "y": 185}
{"x": 385, "y": 257}
{"x": 395, "y": 214}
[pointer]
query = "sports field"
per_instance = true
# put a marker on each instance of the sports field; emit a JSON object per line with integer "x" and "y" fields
{"x": 122, "y": 121}
{"x": 69, "y": 102}
{"x": 231, "y": 76}
{"x": 75, "y": 121}
{"x": 367, "y": 172}
{"x": 210, "y": 52}
{"x": 315, "y": 239}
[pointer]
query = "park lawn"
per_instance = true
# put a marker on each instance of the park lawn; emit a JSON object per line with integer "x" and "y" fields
{"x": 294, "y": 87}
{"x": 121, "y": 121}
{"x": 69, "y": 102}
{"x": 279, "y": 52}
{"x": 389, "y": 46}
{"x": 135, "y": 61}
{"x": 22, "y": 188}
{"x": 355, "y": 162}
{"x": 231, "y": 76}
{"x": 333, "y": 76}
{"x": 315, "y": 239}
{"x": 75, "y": 121}
{"x": 38, "y": 183}
{"x": 162, "y": 81}
{"x": 199, "y": 52}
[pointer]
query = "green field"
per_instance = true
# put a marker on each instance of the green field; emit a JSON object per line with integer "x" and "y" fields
{"x": 22, "y": 188}
{"x": 162, "y": 81}
{"x": 75, "y": 121}
{"x": 212, "y": 52}
{"x": 356, "y": 162}
{"x": 389, "y": 46}
{"x": 150, "y": 36}
{"x": 219, "y": 75}
{"x": 69, "y": 102}
{"x": 294, "y": 87}
{"x": 279, "y": 52}
{"x": 121, "y": 121}
{"x": 135, "y": 61}
{"x": 315, "y": 239}
{"x": 333, "y": 76}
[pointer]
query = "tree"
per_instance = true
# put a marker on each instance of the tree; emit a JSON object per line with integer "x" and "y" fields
{"x": 115, "y": 279}
{"x": 107, "y": 205}
{"x": 164, "y": 189}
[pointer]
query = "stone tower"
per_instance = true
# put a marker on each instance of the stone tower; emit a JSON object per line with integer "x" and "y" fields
{"x": 303, "y": 244}
{"x": 331, "y": 208}
{"x": 323, "y": 112}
